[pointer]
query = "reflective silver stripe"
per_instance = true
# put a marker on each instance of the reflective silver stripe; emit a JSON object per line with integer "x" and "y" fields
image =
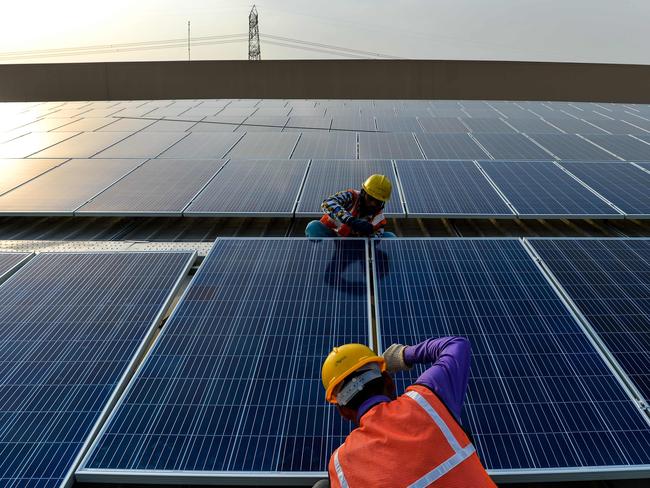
{"x": 460, "y": 453}
{"x": 444, "y": 468}
{"x": 436, "y": 418}
{"x": 339, "y": 471}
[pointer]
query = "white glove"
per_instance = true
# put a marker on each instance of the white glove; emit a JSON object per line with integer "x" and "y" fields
{"x": 394, "y": 357}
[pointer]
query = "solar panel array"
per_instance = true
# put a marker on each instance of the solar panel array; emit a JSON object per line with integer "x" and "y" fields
{"x": 42, "y": 140}
{"x": 609, "y": 281}
{"x": 541, "y": 398}
{"x": 232, "y": 386}
{"x": 9, "y": 261}
{"x": 71, "y": 326}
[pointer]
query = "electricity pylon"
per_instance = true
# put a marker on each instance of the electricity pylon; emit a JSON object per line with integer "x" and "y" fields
{"x": 254, "y": 51}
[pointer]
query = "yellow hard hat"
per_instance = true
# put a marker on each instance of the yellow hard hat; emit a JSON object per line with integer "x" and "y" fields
{"x": 342, "y": 362}
{"x": 378, "y": 186}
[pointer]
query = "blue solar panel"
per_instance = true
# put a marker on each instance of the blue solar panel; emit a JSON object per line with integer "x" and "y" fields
{"x": 623, "y": 184}
{"x": 571, "y": 147}
{"x": 541, "y": 189}
{"x": 70, "y": 327}
{"x": 385, "y": 145}
{"x": 232, "y": 386}
{"x": 326, "y": 177}
{"x": 626, "y": 147}
{"x": 448, "y": 189}
{"x": 450, "y": 146}
{"x": 609, "y": 281}
{"x": 9, "y": 261}
{"x": 511, "y": 146}
{"x": 541, "y": 400}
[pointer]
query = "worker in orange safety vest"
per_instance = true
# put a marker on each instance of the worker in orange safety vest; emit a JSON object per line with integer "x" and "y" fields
{"x": 413, "y": 440}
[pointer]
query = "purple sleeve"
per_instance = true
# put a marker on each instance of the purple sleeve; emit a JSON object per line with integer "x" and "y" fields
{"x": 449, "y": 373}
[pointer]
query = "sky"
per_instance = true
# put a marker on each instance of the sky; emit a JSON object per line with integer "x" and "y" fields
{"x": 601, "y": 31}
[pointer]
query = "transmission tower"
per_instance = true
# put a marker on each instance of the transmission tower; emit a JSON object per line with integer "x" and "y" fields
{"x": 254, "y": 52}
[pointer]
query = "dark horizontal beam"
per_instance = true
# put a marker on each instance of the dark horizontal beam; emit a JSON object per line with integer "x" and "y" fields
{"x": 356, "y": 79}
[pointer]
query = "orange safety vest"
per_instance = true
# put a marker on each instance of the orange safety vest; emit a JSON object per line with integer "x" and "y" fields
{"x": 378, "y": 220}
{"x": 412, "y": 441}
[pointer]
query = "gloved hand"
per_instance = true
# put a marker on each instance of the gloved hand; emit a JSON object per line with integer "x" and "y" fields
{"x": 360, "y": 226}
{"x": 394, "y": 357}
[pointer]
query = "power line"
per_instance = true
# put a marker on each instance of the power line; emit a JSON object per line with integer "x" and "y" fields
{"x": 328, "y": 46}
{"x": 313, "y": 49}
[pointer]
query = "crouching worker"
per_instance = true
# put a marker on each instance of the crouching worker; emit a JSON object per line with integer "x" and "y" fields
{"x": 412, "y": 440}
{"x": 355, "y": 213}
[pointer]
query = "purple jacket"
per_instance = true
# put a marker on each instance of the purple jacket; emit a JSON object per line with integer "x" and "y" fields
{"x": 447, "y": 376}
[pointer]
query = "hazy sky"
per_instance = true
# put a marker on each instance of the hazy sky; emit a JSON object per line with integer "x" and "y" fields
{"x": 613, "y": 31}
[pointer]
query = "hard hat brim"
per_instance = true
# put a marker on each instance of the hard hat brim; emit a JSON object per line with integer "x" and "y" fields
{"x": 329, "y": 392}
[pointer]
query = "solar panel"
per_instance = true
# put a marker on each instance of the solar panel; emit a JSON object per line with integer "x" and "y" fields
{"x": 450, "y": 146}
{"x": 533, "y": 126}
{"x": 65, "y": 188}
{"x": 309, "y": 122}
{"x": 441, "y": 125}
{"x": 126, "y": 125}
{"x": 264, "y": 145}
{"x": 623, "y": 184}
{"x": 388, "y": 145}
{"x": 332, "y": 145}
{"x": 619, "y": 126}
{"x": 398, "y": 124}
{"x": 607, "y": 279}
{"x": 326, "y": 177}
{"x": 511, "y": 146}
{"x": 541, "y": 403}
{"x": 247, "y": 187}
{"x": 143, "y": 145}
{"x": 623, "y": 146}
{"x": 352, "y": 122}
{"x": 202, "y": 145}
{"x": 574, "y": 126}
{"x": 541, "y": 189}
{"x": 67, "y": 350}
{"x": 571, "y": 147}
{"x": 86, "y": 125}
{"x": 15, "y": 172}
{"x": 28, "y": 144}
{"x": 489, "y": 125}
{"x": 231, "y": 390}
{"x": 84, "y": 145}
{"x": 10, "y": 261}
{"x": 448, "y": 189}
{"x": 157, "y": 188}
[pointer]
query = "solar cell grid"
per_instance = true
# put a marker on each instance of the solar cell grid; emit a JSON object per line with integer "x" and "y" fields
{"x": 623, "y": 184}
{"x": 511, "y": 146}
{"x": 65, "y": 354}
{"x": 388, "y": 145}
{"x": 571, "y": 147}
{"x": 490, "y": 125}
{"x": 448, "y": 188}
{"x": 533, "y": 126}
{"x": 201, "y": 145}
{"x": 333, "y": 145}
{"x": 84, "y": 145}
{"x": 609, "y": 281}
{"x": 231, "y": 388}
{"x": 624, "y": 146}
{"x": 251, "y": 187}
{"x": 450, "y": 146}
{"x": 264, "y": 145}
{"x": 541, "y": 400}
{"x": 441, "y": 125}
{"x": 539, "y": 189}
{"x": 9, "y": 261}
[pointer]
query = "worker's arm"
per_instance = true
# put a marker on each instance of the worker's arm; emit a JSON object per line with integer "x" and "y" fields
{"x": 336, "y": 206}
{"x": 449, "y": 373}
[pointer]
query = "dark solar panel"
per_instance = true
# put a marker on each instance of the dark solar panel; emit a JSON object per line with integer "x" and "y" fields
{"x": 15, "y": 172}
{"x": 441, "y": 125}
{"x": 309, "y": 122}
{"x": 160, "y": 187}
{"x": 511, "y": 146}
{"x": 332, "y": 145}
{"x": 571, "y": 147}
{"x": 398, "y": 124}
{"x": 231, "y": 390}
{"x": 620, "y": 127}
{"x": 541, "y": 400}
{"x": 533, "y": 126}
{"x": 350, "y": 122}
{"x": 71, "y": 326}
{"x": 448, "y": 188}
{"x": 623, "y": 146}
{"x": 489, "y": 125}
{"x": 260, "y": 145}
{"x": 608, "y": 280}
{"x": 251, "y": 187}
{"x": 9, "y": 261}
{"x": 541, "y": 189}
{"x": 623, "y": 184}
{"x": 326, "y": 177}
{"x": 388, "y": 146}
{"x": 203, "y": 145}
{"x": 450, "y": 146}
{"x": 574, "y": 126}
